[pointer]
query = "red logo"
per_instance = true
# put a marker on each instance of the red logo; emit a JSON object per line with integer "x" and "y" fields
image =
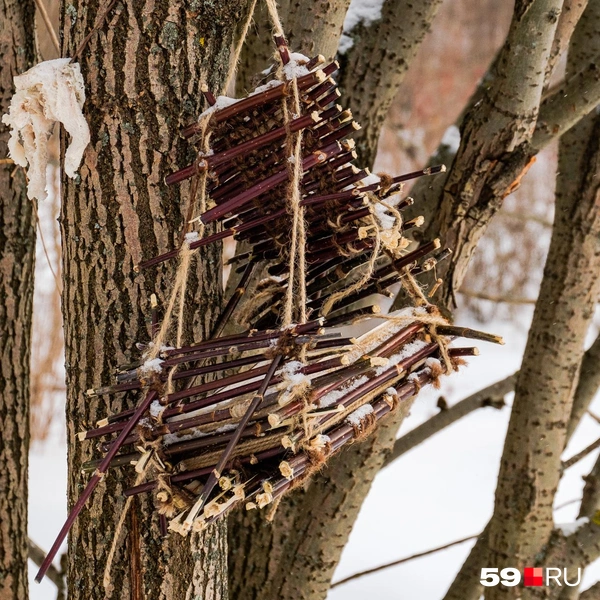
{"x": 533, "y": 576}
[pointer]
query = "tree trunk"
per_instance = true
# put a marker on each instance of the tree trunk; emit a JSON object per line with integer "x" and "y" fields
{"x": 17, "y": 258}
{"x": 375, "y": 66}
{"x": 143, "y": 71}
{"x": 530, "y": 468}
{"x": 295, "y": 556}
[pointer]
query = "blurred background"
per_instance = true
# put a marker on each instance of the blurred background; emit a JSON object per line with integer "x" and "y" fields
{"x": 443, "y": 490}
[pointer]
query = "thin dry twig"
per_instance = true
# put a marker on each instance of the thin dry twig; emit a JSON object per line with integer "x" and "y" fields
{"x": 403, "y": 560}
{"x": 48, "y": 23}
{"x": 594, "y": 416}
{"x": 494, "y": 298}
{"x": 492, "y": 395}
{"x": 581, "y": 455}
{"x": 36, "y": 554}
{"x": 522, "y": 217}
{"x": 568, "y": 503}
{"x": 39, "y": 226}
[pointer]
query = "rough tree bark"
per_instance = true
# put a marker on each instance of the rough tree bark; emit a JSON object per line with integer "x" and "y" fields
{"x": 375, "y": 66}
{"x": 500, "y": 135}
{"x": 143, "y": 70}
{"x": 17, "y": 258}
{"x": 530, "y": 468}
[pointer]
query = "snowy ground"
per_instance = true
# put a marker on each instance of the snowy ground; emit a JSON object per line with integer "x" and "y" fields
{"x": 437, "y": 493}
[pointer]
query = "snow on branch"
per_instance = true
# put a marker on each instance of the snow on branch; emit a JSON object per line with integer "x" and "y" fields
{"x": 359, "y": 11}
{"x": 49, "y": 92}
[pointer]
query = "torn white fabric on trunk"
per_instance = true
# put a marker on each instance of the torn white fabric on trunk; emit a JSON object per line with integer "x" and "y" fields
{"x": 52, "y": 91}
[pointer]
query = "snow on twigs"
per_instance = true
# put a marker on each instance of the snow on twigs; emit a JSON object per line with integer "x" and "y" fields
{"x": 51, "y": 91}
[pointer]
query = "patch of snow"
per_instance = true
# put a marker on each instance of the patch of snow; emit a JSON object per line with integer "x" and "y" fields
{"x": 296, "y": 67}
{"x": 293, "y": 375}
{"x": 345, "y": 43}
{"x": 413, "y": 377}
{"x": 407, "y": 351}
{"x": 52, "y": 91}
{"x": 156, "y": 409}
{"x": 175, "y": 438}
{"x": 335, "y": 395}
{"x": 267, "y": 86}
{"x": 386, "y": 220}
{"x": 433, "y": 362}
{"x": 192, "y": 236}
{"x": 221, "y": 103}
{"x": 359, "y": 11}
{"x": 451, "y": 138}
{"x": 571, "y": 528}
{"x": 355, "y": 418}
{"x": 153, "y": 365}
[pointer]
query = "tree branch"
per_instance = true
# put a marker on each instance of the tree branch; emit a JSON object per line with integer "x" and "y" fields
{"x": 466, "y": 584}
{"x": 467, "y": 577}
{"x": 492, "y": 395}
{"x": 400, "y": 561}
{"x": 530, "y": 467}
{"x": 587, "y": 387}
{"x": 569, "y": 17}
{"x": 495, "y": 298}
{"x": 487, "y": 165}
{"x": 581, "y": 455}
{"x": 37, "y": 555}
{"x": 375, "y": 65}
{"x": 560, "y": 111}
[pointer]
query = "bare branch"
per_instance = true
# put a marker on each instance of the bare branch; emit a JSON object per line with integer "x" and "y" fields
{"x": 375, "y": 66}
{"x": 48, "y": 23}
{"x": 560, "y": 111}
{"x": 466, "y": 578}
{"x": 569, "y": 17}
{"x": 588, "y": 385}
{"x": 493, "y": 395}
{"x": 590, "y": 500}
{"x": 490, "y": 163}
{"x": 37, "y": 555}
{"x": 466, "y": 584}
{"x": 578, "y": 549}
{"x": 494, "y": 298}
{"x": 581, "y": 455}
{"x": 530, "y": 468}
{"x": 395, "y": 563}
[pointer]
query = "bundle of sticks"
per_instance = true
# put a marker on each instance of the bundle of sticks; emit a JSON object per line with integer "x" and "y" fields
{"x": 243, "y": 418}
